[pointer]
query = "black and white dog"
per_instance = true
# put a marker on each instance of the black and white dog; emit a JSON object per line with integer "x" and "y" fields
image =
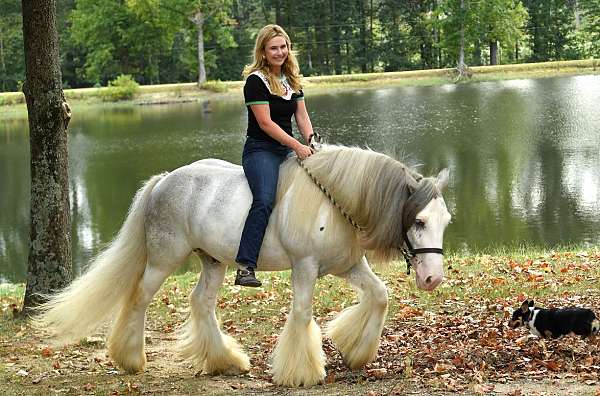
{"x": 553, "y": 323}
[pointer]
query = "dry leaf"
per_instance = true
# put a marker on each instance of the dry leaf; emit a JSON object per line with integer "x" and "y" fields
{"x": 47, "y": 352}
{"x": 330, "y": 378}
{"x": 377, "y": 372}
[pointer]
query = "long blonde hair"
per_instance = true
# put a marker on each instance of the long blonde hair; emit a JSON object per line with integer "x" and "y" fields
{"x": 290, "y": 67}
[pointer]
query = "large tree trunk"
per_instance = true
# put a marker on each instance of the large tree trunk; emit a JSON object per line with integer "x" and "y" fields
{"x": 49, "y": 266}
{"x": 493, "y": 53}
{"x": 198, "y": 20}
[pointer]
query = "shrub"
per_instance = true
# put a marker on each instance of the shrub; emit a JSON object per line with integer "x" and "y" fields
{"x": 122, "y": 88}
{"x": 214, "y": 86}
{"x": 11, "y": 98}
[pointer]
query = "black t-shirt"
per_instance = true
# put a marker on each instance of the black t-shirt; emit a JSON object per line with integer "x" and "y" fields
{"x": 282, "y": 108}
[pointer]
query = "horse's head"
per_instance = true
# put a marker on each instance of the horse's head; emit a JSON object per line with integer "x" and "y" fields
{"x": 425, "y": 233}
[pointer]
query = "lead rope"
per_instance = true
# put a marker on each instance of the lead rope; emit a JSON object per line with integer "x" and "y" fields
{"x": 330, "y": 197}
{"x": 405, "y": 252}
{"x": 314, "y": 141}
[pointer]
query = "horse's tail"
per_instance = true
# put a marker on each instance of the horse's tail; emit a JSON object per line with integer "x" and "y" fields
{"x": 113, "y": 276}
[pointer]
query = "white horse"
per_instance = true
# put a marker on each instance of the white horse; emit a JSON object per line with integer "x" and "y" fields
{"x": 201, "y": 208}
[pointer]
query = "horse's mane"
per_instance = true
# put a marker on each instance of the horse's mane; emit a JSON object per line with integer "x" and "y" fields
{"x": 380, "y": 193}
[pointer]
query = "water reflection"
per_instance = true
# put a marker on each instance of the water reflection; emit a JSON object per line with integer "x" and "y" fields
{"x": 523, "y": 157}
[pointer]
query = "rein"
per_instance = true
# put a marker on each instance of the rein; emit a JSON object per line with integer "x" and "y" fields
{"x": 408, "y": 252}
{"x": 330, "y": 197}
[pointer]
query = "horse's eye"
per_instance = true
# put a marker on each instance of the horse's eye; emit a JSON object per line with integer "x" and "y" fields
{"x": 420, "y": 223}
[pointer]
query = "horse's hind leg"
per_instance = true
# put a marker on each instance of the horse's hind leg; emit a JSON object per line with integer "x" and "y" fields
{"x": 126, "y": 340}
{"x": 357, "y": 329}
{"x": 298, "y": 358}
{"x": 201, "y": 340}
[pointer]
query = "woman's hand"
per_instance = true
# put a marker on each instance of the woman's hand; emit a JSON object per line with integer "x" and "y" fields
{"x": 303, "y": 151}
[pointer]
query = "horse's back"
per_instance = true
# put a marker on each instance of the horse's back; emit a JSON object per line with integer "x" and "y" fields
{"x": 204, "y": 203}
{"x": 215, "y": 162}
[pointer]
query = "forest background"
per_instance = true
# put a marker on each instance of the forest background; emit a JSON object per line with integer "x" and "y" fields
{"x": 158, "y": 41}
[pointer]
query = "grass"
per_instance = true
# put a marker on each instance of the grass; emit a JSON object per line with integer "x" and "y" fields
{"x": 479, "y": 289}
{"x": 12, "y": 104}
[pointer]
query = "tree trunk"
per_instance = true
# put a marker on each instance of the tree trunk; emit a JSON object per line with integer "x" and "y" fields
{"x": 493, "y": 53}
{"x": 477, "y": 52}
{"x": 577, "y": 15}
{"x": 371, "y": 40}
{"x": 436, "y": 40}
{"x": 309, "y": 49}
{"x": 2, "y": 63}
{"x": 198, "y": 20}
{"x": 461, "y": 67}
{"x": 335, "y": 38}
{"x": 49, "y": 265}
{"x": 278, "y": 15}
{"x": 362, "y": 28}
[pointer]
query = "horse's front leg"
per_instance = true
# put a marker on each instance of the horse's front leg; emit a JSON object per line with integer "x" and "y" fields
{"x": 201, "y": 340}
{"x": 298, "y": 358}
{"x": 357, "y": 329}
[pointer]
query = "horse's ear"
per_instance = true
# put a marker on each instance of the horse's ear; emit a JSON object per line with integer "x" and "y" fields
{"x": 442, "y": 179}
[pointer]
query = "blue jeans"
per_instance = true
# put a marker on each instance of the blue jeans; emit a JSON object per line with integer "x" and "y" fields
{"x": 261, "y": 161}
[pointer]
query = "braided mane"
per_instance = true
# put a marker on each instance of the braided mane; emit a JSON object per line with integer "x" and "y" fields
{"x": 379, "y": 193}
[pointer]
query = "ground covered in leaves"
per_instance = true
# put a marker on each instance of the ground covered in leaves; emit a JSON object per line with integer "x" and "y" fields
{"x": 454, "y": 340}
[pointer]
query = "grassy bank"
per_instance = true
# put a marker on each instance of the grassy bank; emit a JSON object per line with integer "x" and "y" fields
{"x": 12, "y": 104}
{"x": 452, "y": 340}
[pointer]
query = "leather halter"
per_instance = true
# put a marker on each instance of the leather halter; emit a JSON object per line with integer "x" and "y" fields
{"x": 314, "y": 141}
{"x": 409, "y": 252}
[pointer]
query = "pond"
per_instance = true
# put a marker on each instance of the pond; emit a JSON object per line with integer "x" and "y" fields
{"x": 523, "y": 158}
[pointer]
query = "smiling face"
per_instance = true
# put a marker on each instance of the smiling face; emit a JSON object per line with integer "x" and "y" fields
{"x": 276, "y": 52}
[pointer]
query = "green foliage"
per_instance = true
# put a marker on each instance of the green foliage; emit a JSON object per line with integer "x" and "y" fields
{"x": 122, "y": 88}
{"x": 12, "y": 58}
{"x": 591, "y": 27}
{"x": 11, "y": 98}
{"x": 550, "y": 26}
{"x": 214, "y": 86}
{"x": 156, "y": 42}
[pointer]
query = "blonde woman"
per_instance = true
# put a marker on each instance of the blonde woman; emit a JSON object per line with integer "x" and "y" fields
{"x": 273, "y": 95}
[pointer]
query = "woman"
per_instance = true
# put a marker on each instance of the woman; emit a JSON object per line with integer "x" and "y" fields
{"x": 272, "y": 94}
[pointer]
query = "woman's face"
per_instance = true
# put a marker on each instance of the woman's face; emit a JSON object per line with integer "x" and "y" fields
{"x": 276, "y": 51}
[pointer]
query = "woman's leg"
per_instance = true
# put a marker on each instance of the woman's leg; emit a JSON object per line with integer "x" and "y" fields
{"x": 261, "y": 168}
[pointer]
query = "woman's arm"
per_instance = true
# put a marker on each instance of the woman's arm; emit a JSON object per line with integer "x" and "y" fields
{"x": 303, "y": 120}
{"x": 263, "y": 117}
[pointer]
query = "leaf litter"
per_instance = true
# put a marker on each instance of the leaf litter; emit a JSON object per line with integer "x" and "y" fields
{"x": 455, "y": 340}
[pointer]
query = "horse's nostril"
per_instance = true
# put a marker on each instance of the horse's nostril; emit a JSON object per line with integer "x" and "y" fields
{"x": 428, "y": 280}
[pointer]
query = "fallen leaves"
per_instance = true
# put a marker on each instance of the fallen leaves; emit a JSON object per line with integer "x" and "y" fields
{"x": 377, "y": 372}
{"x": 452, "y": 340}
